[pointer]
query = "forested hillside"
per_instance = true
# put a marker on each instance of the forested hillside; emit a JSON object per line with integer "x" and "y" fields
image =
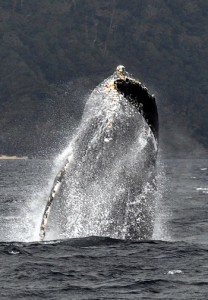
{"x": 53, "y": 51}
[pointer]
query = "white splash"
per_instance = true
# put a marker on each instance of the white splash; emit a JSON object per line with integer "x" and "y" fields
{"x": 173, "y": 272}
{"x": 162, "y": 214}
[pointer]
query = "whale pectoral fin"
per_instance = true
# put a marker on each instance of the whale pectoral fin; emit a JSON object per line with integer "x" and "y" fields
{"x": 55, "y": 189}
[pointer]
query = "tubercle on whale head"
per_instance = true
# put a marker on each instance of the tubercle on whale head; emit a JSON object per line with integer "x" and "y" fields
{"x": 121, "y": 72}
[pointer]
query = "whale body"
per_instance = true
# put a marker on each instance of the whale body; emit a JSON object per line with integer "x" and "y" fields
{"x": 107, "y": 184}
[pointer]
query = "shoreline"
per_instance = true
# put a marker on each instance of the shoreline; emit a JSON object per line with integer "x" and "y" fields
{"x": 12, "y": 157}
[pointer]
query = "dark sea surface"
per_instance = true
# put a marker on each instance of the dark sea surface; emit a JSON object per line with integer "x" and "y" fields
{"x": 174, "y": 265}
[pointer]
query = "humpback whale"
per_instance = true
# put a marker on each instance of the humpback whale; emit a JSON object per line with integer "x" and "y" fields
{"x": 107, "y": 184}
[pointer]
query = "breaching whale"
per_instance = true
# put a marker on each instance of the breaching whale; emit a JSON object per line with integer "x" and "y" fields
{"x": 108, "y": 181}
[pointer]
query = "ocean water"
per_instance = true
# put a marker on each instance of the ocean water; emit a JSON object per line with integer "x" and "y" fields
{"x": 173, "y": 265}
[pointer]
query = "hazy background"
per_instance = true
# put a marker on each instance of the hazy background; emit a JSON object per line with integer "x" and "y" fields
{"x": 53, "y": 52}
